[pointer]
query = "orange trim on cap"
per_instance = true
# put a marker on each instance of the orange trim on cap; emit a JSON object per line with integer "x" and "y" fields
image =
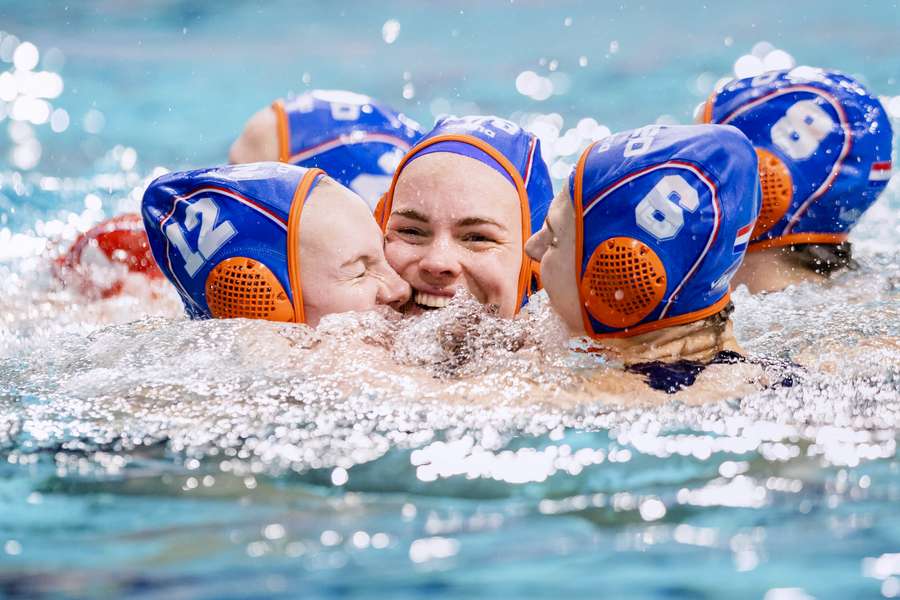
{"x": 577, "y": 203}
{"x": 281, "y": 128}
{"x": 690, "y": 317}
{"x": 293, "y": 242}
{"x": 379, "y": 210}
{"x": 798, "y": 238}
{"x": 388, "y": 200}
{"x": 708, "y": 109}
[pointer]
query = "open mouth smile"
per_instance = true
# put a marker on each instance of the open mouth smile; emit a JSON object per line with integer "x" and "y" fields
{"x": 430, "y": 301}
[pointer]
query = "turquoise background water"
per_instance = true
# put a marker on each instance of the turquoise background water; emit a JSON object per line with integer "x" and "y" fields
{"x": 175, "y": 81}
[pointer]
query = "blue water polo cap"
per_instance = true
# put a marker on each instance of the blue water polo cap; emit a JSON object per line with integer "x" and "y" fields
{"x": 824, "y": 146}
{"x": 663, "y": 217}
{"x": 357, "y": 140}
{"x": 228, "y": 238}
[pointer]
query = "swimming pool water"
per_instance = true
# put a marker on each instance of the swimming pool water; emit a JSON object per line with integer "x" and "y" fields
{"x": 146, "y": 456}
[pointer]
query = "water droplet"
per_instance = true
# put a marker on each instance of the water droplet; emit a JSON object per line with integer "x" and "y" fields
{"x": 652, "y": 509}
{"x": 339, "y": 476}
{"x": 390, "y": 31}
{"x": 59, "y": 120}
{"x": 12, "y": 547}
{"x": 26, "y": 56}
{"x": 748, "y": 65}
{"x": 93, "y": 121}
{"x": 273, "y": 531}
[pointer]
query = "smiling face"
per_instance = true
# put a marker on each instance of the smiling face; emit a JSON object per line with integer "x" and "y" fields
{"x": 554, "y": 247}
{"x": 342, "y": 264}
{"x": 456, "y": 223}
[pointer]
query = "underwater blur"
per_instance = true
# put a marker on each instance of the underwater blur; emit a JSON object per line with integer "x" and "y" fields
{"x": 146, "y": 455}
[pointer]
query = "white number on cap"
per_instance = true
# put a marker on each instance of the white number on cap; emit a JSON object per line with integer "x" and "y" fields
{"x": 765, "y": 78}
{"x": 345, "y": 106}
{"x": 802, "y": 128}
{"x": 504, "y": 125}
{"x": 212, "y": 237}
{"x": 639, "y": 142}
{"x": 344, "y": 112}
{"x": 660, "y": 212}
{"x": 251, "y": 171}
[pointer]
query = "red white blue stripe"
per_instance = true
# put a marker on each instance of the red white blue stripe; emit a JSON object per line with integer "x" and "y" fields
{"x": 356, "y": 137}
{"x": 742, "y": 238}
{"x": 881, "y": 171}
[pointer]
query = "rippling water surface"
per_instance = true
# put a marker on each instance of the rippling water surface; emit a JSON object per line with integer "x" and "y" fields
{"x": 452, "y": 456}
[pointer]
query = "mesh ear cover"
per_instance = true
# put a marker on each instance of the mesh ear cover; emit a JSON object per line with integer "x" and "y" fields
{"x": 623, "y": 282}
{"x": 242, "y": 287}
{"x": 777, "y": 191}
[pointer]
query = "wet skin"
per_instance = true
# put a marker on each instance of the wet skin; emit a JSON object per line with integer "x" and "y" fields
{"x": 342, "y": 262}
{"x": 455, "y": 224}
{"x": 554, "y": 247}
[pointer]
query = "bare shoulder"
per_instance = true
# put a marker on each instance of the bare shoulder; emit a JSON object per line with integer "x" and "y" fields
{"x": 258, "y": 141}
{"x": 617, "y": 387}
{"x": 865, "y": 356}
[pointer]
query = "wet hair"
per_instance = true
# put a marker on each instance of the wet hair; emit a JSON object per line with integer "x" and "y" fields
{"x": 719, "y": 321}
{"x": 824, "y": 259}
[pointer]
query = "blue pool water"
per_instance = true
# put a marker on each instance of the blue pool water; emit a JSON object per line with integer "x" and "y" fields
{"x": 145, "y": 456}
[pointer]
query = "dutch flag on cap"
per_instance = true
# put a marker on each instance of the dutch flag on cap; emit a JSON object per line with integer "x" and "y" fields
{"x": 742, "y": 238}
{"x": 881, "y": 171}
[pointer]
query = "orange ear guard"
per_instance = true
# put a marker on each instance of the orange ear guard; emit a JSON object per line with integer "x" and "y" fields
{"x": 241, "y": 287}
{"x": 777, "y": 191}
{"x": 623, "y": 282}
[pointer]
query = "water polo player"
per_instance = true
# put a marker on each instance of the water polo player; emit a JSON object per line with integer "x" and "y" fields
{"x": 262, "y": 241}
{"x": 356, "y": 140}
{"x": 461, "y": 205}
{"x": 640, "y": 254}
{"x": 824, "y": 146}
